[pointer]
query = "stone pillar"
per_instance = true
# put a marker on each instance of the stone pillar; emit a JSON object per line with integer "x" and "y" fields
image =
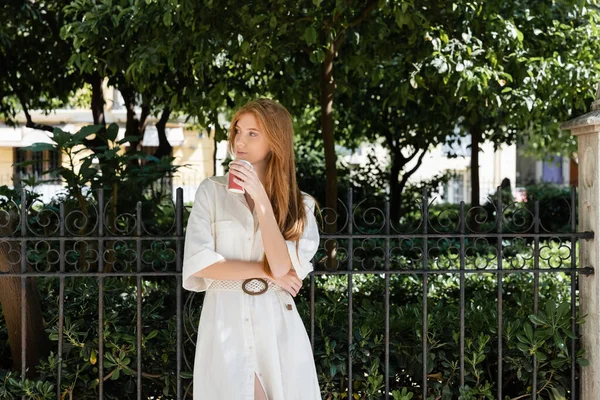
{"x": 587, "y": 130}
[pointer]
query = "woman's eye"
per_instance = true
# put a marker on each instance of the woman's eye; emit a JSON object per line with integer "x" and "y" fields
{"x": 252, "y": 133}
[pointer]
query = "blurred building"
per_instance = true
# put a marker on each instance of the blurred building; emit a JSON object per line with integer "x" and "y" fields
{"x": 191, "y": 147}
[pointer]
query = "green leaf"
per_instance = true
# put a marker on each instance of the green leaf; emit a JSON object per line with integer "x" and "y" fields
{"x": 152, "y": 334}
{"x": 37, "y": 147}
{"x": 555, "y": 394}
{"x": 562, "y": 310}
{"x": 523, "y": 347}
{"x": 401, "y": 18}
{"x": 519, "y": 35}
{"x": 187, "y": 375}
{"x": 528, "y": 331}
{"x": 537, "y": 320}
{"x": 557, "y": 363}
{"x": 310, "y": 35}
{"x": 60, "y": 137}
{"x": 112, "y": 131}
{"x": 89, "y": 129}
{"x": 550, "y": 308}
{"x": 167, "y": 18}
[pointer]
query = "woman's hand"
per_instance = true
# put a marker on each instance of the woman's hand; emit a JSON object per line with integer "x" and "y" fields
{"x": 289, "y": 282}
{"x": 247, "y": 178}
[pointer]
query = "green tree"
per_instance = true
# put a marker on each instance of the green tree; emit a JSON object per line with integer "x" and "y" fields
{"x": 33, "y": 60}
{"x": 514, "y": 68}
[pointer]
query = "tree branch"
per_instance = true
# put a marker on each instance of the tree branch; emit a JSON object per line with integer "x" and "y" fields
{"x": 144, "y": 116}
{"x": 412, "y": 156}
{"x": 365, "y": 13}
{"x": 408, "y": 173}
{"x": 358, "y": 20}
{"x": 30, "y": 123}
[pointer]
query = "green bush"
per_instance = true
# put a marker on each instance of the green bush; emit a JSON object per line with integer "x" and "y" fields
{"x": 555, "y": 206}
{"x": 546, "y": 334}
{"x": 518, "y": 217}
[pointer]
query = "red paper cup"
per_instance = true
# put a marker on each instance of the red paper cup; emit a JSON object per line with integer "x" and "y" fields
{"x": 231, "y": 185}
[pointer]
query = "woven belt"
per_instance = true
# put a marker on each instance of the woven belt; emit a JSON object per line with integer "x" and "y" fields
{"x": 254, "y": 287}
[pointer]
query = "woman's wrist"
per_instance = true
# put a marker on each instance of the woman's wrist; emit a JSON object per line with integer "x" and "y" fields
{"x": 263, "y": 205}
{"x": 261, "y": 271}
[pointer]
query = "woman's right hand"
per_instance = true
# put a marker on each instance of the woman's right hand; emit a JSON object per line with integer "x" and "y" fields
{"x": 289, "y": 282}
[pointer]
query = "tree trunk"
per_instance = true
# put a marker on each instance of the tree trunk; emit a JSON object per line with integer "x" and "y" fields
{"x": 37, "y": 342}
{"x": 97, "y": 106}
{"x": 395, "y": 188}
{"x": 331, "y": 188}
{"x": 164, "y": 147}
{"x": 95, "y": 81}
{"x": 475, "y": 143}
{"x": 132, "y": 126}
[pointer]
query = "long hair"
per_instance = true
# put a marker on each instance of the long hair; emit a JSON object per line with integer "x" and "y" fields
{"x": 280, "y": 178}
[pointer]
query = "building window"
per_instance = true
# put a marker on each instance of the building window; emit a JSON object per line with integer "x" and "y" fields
{"x": 454, "y": 189}
{"x": 35, "y": 163}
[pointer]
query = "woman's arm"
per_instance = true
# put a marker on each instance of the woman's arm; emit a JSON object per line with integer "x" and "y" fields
{"x": 274, "y": 244}
{"x": 233, "y": 270}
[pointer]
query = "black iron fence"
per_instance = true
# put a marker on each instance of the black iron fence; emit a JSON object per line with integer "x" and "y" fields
{"x": 98, "y": 240}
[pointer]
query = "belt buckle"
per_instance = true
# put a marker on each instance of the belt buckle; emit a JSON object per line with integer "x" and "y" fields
{"x": 247, "y": 281}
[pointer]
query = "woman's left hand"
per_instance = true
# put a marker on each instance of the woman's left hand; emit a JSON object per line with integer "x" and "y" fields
{"x": 248, "y": 179}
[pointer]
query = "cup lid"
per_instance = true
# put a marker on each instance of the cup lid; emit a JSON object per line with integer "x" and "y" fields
{"x": 244, "y": 161}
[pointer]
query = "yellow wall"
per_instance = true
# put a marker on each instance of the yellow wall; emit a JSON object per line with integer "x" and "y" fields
{"x": 6, "y": 169}
{"x": 198, "y": 154}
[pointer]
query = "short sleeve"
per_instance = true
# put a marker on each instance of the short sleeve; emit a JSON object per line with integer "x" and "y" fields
{"x": 199, "y": 245}
{"x": 309, "y": 242}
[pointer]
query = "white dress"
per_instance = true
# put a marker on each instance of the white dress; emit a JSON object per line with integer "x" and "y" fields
{"x": 240, "y": 334}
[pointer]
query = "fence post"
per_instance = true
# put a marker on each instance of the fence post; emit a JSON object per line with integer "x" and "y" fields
{"x": 587, "y": 130}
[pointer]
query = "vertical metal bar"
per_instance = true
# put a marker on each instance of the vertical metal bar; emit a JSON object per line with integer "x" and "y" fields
{"x": 536, "y": 289}
{"x": 499, "y": 215}
{"x": 178, "y": 266}
{"x": 574, "y": 278}
{"x": 23, "y": 284}
{"x": 462, "y": 293}
{"x": 61, "y": 299}
{"x": 312, "y": 307}
{"x": 100, "y": 294}
{"x": 349, "y": 276}
{"x": 138, "y": 249}
{"x": 387, "y": 301}
{"x": 312, "y": 312}
{"x": 425, "y": 286}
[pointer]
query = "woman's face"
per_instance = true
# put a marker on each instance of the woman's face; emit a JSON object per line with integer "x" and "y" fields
{"x": 250, "y": 141}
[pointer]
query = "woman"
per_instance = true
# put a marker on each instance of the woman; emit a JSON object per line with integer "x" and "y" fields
{"x": 250, "y": 252}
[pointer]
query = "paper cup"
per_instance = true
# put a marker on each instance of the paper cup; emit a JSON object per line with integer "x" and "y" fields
{"x": 231, "y": 185}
